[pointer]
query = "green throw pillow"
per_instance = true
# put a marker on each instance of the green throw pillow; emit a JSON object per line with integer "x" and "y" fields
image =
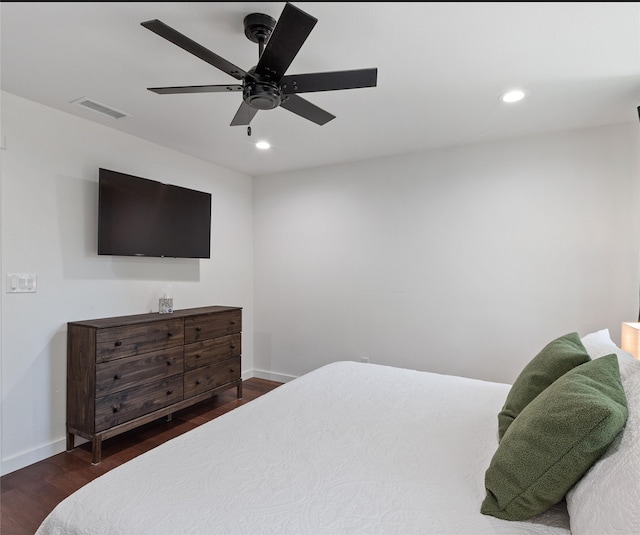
{"x": 555, "y": 359}
{"x": 555, "y": 440}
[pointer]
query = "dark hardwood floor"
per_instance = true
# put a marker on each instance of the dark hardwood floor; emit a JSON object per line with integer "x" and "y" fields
{"x": 29, "y": 494}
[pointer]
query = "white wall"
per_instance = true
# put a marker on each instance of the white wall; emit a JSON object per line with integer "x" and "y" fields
{"x": 464, "y": 261}
{"x": 49, "y": 208}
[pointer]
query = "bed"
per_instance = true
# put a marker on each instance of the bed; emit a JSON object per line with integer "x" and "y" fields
{"x": 345, "y": 449}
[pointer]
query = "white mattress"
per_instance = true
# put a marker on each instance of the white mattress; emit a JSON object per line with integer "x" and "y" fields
{"x": 348, "y": 448}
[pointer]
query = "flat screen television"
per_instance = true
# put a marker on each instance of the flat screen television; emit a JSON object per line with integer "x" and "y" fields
{"x": 142, "y": 217}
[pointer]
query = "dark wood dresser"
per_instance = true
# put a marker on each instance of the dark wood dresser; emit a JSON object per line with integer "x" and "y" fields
{"x": 126, "y": 371}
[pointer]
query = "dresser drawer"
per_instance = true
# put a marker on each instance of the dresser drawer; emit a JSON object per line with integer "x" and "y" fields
{"x": 128, "y": 372}
{"x": 211, "y": 351}
{"x": 202, "y": 379}
{"x": 118, "y": 342}
{"x": 208, "y": 326}
{"x": 126, "y": 405}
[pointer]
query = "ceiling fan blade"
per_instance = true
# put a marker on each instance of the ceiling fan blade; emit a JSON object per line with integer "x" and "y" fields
{"x": 194, "y": 48}
{"x": 305, "y": 109}
{"x": 329, "y": 81}
{"x": 288, "y": 36}
{"x": 244, "y": 115}
{"x": 196, "y": 89}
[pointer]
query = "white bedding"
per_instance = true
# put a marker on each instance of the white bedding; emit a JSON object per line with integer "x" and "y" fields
{"x": 348, "y": 448}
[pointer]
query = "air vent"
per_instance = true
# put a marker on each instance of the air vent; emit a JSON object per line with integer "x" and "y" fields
{"x": 91, "y": 104}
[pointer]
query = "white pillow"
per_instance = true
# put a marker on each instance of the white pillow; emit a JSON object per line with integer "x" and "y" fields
{"x": 606, "y": 499}
{"x": 599, "y": 344}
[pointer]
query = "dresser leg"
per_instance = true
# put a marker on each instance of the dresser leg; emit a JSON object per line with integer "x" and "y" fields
{"x": 240, "y": 389}
{"x": 70, "y": 441}
{"x": 96, "y": 450}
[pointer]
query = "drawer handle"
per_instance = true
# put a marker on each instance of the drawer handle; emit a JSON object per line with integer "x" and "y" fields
{"x": 115, "y": 408}
{"x": 230, "y": 370}
{"x": 118, "y": 343}
{"x": 169, "y": 333}
{"x": 169, "y": 392}
{"x": 198, "y": 381}
{"x": 232, "y": 322}
{"x": 233, "y": 346}
{"x": 198, "y": 329}
{"x": 169, "y": 363}
{"x": 117, "y": 376}
{"x": 198, "y": 355}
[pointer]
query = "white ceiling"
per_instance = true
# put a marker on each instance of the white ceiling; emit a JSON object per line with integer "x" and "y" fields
{"x": 441, "y": 68}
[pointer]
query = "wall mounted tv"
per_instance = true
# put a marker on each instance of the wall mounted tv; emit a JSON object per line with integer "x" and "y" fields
{"x": 142, "y": 217}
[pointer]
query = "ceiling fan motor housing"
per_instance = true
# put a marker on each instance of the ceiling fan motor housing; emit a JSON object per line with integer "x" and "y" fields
{"x": 262, "y": 95}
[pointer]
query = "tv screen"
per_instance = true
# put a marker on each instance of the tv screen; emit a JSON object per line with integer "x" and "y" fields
{"x": 142, "y": 217}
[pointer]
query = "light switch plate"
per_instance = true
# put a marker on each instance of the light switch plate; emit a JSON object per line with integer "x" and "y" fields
{"x": 21, "y": 283}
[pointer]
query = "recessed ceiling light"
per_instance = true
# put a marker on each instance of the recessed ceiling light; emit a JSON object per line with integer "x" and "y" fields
{"x": 263, "y": 145}
{"x": 512, "y": 96}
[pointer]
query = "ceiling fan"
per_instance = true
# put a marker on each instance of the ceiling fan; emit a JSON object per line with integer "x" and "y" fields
{"x": 266, "y": 85}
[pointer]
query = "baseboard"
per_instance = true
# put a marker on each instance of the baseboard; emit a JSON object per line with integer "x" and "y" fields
{"x": 33, "y": 456}
{"x": 271, "y": 376}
